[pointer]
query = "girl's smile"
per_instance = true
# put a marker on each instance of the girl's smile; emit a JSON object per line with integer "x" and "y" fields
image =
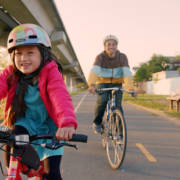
{"x": 27, "y": 59}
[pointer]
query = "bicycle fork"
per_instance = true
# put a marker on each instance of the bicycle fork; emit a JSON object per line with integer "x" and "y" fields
{"x": 14, "y": 169}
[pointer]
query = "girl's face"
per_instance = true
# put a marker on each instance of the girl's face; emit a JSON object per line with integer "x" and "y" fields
{"x": 27, "y": 59}
{"x": 110, "y": 47}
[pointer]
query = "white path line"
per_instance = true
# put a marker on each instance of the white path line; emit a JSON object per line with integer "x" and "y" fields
{"x": 80, "y": 102}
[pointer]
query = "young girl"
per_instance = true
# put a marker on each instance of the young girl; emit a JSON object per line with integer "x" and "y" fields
{"x": 37, "y": 99}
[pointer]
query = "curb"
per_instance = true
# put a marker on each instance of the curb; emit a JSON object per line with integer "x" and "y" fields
{"x": 157, "y": 112}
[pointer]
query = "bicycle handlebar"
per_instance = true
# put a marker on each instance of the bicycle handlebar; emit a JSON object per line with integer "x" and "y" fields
{"x": 75, "y": 138}
{"x": 7, "y": 138}
{"x": 115, "y": 89}
{"x": 23, "y": 143}
{"x": 55, "y": 144}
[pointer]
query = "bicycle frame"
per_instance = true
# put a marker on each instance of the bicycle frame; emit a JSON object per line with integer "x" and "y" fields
{"x": 111, "y": 104}
{"x": 18, "y": 163}
{"x": 16, "y": 168}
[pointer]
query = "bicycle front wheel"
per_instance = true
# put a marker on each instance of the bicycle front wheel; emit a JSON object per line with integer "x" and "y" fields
{"x": 116, "y": 140}
{"x": 104, "y": 131}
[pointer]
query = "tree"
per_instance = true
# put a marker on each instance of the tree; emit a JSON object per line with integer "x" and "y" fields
{"x": 141, "y": 73}
{"x": 155, "y": 64}
{"x": 4, "y": 58}
{"x": 178, "y": 57}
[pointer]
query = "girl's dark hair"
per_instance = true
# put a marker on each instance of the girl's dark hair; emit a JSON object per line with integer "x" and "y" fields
{"x": 18, "y": 106}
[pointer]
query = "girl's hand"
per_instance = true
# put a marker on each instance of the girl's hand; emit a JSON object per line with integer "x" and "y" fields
{"x": 65, "y": 133}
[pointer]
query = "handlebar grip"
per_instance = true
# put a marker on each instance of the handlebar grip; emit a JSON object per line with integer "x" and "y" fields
{"x": 79, "y": 138}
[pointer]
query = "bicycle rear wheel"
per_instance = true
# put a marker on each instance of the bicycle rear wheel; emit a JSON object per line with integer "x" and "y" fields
{"x": 116, "y": 140}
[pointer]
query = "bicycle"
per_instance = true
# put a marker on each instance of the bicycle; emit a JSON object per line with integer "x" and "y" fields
{"x": 114, "y": 131}
{"x": 25, "y": 160}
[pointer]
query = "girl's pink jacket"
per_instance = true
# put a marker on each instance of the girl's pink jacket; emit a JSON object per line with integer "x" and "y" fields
{"x": 52, "y": 91}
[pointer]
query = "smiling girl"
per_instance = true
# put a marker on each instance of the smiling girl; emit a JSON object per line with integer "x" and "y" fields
{"x": 37, "y": 99}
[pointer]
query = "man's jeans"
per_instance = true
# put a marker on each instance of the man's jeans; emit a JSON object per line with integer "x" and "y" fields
{"x": 102, "y": 100}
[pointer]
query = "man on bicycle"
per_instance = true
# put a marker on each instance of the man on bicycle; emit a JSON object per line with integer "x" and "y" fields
{"x": 110, "y": 69}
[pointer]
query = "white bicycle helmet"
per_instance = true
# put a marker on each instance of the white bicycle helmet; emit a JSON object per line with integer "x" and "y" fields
{"x": 27, "y": 34}
{"x": 110, "y": 37}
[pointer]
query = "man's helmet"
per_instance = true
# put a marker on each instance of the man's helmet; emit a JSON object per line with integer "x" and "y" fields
{"x": 110, "y": 37}
{"x": 27, "y": 34}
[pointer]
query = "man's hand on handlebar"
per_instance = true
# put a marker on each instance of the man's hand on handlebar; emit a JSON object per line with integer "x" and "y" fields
{"x": 135, "y": 93}
{"x": 92, "y": 89}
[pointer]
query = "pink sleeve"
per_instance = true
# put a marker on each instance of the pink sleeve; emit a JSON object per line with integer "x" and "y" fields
{"x": 60, "y": 99}
{"x": 3, "y": 81}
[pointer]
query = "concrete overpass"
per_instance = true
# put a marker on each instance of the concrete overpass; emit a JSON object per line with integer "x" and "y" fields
{"x": 45, "y": 14}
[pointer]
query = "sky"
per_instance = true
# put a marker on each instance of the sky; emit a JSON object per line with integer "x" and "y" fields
{"x": 143, "y": 27}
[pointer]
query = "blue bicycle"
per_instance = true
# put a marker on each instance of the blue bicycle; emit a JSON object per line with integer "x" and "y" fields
{"x": 114, "y": 133}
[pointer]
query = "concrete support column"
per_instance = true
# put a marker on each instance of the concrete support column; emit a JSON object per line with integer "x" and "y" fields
{"x": 71, "y": 84}
{"x": 70, "y": 81}
{"x": 65, "y": 78}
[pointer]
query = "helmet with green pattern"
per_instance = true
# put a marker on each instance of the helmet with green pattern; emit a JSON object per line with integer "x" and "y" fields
{"x": 27, "y": 34}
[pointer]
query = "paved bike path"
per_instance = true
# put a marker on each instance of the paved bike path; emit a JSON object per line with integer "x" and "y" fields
{"x": 153, "y": 149}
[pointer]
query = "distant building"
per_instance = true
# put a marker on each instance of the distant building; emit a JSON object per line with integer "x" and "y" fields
{"x": 164, "y": 75}
{"x": 164, "y": 83}
{"x": 174, "y": 64}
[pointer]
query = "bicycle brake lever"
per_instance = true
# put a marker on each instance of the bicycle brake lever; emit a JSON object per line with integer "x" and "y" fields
{"x": 70, "y": 145}
{"x": 54, "y": 146}
{"x": 58, "y": 144}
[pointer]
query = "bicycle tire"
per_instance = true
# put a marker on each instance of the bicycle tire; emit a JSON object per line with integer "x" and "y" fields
{"x": 116, "y": 139}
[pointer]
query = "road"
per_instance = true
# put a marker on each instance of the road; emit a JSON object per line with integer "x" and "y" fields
{"x": 153, "y": 149}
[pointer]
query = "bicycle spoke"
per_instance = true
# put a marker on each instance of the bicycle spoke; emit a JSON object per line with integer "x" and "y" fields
{"x": 104, "y": 133}
{"x": 116, "y": 156}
